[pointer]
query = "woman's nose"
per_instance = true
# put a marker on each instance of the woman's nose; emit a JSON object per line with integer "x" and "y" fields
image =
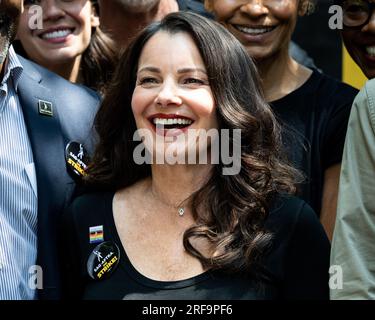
{"x": 52, "y": 10}
{"x": 254, "y": 8}
{"x": 168, "y": 95}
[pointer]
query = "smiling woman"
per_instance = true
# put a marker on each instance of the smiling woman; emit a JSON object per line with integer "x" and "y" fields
{"x": 70, "y": 42}
{"x": 187, "y": 231}
{"x": 172, "y": 80}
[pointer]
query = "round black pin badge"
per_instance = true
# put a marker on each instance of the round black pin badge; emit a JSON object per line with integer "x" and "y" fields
{"x": 77, "y": 158}
{"x": 103, "y": 260}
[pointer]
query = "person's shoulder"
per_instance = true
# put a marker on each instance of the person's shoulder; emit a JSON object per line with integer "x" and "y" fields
{"x": 296, "y": 228}
{"x": 366, "y": 96}
{"x": 364, "y": 103}
{"x": 62, "y": 88}
{"x": 331, "y": 87}
{"x": 368, "y": 93}
{"x": 286, "y": 211}
{"x": 370, "y": 85}
{"x": 90, "y": 201}
{"x": 88, "y": 208}
{"x": 75, "y": 104}
{"x": 285, "y": 203}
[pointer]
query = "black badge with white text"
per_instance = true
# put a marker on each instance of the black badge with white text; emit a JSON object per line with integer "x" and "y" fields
{"x": 77, "y": 158}
{"x": 103, "y": 260}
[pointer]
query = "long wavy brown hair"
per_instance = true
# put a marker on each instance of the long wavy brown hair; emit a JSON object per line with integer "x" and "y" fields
{"x": 229, "y": 210}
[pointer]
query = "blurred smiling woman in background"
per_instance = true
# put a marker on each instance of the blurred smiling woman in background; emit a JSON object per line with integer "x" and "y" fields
{"x": 70, "y": 43}
{"x": 312, "y": 107}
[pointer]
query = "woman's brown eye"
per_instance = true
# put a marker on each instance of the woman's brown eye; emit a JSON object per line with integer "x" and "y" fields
{"x": 193, "y": 81}
{"x": 148, "y": 80}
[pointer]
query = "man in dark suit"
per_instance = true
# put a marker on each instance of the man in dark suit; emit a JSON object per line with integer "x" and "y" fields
{"x": 40, "y": 114}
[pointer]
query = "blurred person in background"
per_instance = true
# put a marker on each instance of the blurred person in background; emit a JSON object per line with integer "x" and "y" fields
{"x": 123, "y": 19}
{"x": 133, "y": 15}
{"x": 353, "y": 241}
{"x": 312, "y": 107}
{"x": 70, "y": 43}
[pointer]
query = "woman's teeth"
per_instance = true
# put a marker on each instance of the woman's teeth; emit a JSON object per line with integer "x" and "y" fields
{"x": 254, "y": 31}
{"x": 56, "y": 34}
{"x": 371, "y": 51}
{"x": 163, "y": 122}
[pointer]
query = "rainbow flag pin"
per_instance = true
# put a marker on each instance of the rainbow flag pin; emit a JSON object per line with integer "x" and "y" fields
{"x": 96, "y": 234}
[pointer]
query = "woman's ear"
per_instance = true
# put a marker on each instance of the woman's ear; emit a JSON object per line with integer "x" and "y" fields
{"x": 95, "y": 22}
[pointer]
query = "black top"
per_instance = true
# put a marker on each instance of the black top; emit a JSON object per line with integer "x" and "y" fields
{"x": 314, "y": 118}
{"x": 296, "y": 266}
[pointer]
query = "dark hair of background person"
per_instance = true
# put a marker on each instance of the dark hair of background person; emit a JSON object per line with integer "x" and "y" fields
{"x": 235, "y": 207}
{"x": 98, "y": 60}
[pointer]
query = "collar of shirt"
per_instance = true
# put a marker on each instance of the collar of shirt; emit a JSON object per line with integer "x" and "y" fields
{"x": 12, "y": 71}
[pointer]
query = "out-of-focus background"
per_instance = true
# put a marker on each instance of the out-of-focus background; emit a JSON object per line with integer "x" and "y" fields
{"x": 325, "y": 46}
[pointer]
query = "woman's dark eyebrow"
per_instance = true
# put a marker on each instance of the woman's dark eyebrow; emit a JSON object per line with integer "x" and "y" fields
{"x": 187, "y": 70}
{"x": 151, "y": 69}
{"x": 179, "y": 71}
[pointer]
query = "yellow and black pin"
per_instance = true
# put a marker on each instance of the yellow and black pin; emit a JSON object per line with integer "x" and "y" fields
{"x": 77, "y": 158}
{"x": 103, "y": 260}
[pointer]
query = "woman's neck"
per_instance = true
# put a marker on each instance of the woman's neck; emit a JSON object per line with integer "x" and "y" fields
{"x": 281, "y": 75}
{"x": 171, "y": 185}
{"x": 69, "y": 70}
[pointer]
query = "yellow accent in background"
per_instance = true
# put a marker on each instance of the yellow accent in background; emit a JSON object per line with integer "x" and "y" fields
{"x": 351, "y": 73}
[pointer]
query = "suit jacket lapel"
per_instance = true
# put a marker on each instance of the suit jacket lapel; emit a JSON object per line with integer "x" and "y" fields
{"x": 46, "y": 138}
{"x": 48, "y": 145}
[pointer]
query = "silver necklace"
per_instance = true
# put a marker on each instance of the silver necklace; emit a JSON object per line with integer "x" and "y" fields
{"x": 181, "y": 211}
